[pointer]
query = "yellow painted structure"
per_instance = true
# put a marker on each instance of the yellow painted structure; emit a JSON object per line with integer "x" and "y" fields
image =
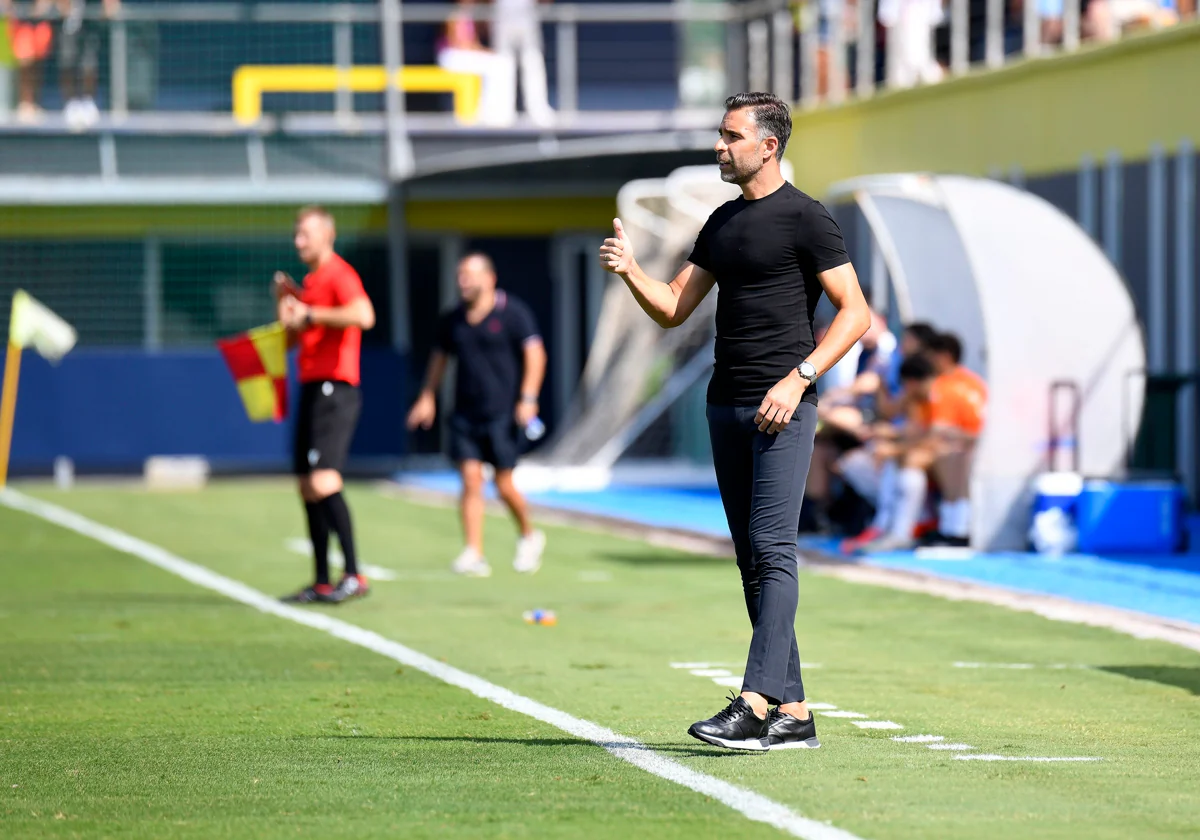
{"x": 1042, "y": 115}
{"x": 251, "y": 81}
{"x": 530, "y": 216}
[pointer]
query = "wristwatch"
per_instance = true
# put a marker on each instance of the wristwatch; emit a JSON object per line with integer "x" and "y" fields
{"x": 807, "y": 372}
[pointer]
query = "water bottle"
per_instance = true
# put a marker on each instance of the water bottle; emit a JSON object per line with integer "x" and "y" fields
{"x": 534, "y": 429}
{"x": 546, "y": 618}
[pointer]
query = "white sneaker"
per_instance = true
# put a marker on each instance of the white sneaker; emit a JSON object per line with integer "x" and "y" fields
{"x": 472, "y": 564}
{"x": 75, "y": 116}
{"x": 89, "y": 112}
{"x": 529, "y": 553}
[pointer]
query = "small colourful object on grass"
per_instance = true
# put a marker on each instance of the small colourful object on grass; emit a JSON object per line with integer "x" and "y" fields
{"x": 544, "y": 617}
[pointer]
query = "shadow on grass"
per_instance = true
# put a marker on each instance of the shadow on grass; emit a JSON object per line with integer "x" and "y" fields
{"x": 673, "y": 749}
{"x": 1173, "y": 675}
{"x": 666, "y": 557}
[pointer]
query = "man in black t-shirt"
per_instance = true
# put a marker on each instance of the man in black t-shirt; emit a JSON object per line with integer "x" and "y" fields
{"x": 501, "y": 365}
{"x": 772, "y": 252}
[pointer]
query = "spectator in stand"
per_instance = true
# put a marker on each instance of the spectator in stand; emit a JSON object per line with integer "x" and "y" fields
{"x": 1108, "y": 19}
{"x": 79, "y": 61}
{"x": 30, "y": 42}
{"x": 910, "y": 25}
{"x": 517, "y": 35}
{"x": 461, "y": 51}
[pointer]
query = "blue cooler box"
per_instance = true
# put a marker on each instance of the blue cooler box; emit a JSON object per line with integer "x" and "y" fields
{"x": 1123, "y": 518}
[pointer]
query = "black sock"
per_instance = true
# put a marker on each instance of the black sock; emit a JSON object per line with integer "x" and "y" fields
{"x": 318, "y": 534}
{"x": 338, "y": 515}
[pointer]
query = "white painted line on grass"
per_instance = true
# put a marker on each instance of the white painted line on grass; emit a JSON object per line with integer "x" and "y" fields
{"x": 753, "y": 805}
{"x": 918, "y": 739}
{"x": 711, "y": 672}
{"x": 987, "y": 757}
{"x": 690, "y": 665}
{"x": 954, "y": 747}
{"x": 299, "y": 545}
{"x": 877, "y": 724}
{"x": 729, "y": 682}
{"x": 842, "y": 714}
{"x": 821, "y": 707}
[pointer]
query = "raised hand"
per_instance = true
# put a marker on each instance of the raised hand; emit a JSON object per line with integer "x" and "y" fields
{"x": 616, "y": 254}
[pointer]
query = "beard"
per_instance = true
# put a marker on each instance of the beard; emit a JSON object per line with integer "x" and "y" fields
{"x": 739, "y": 172}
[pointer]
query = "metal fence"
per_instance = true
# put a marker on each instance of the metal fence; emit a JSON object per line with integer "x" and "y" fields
{"x": 601, "y": 56}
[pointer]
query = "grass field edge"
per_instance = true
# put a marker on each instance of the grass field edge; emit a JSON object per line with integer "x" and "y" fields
{"x": 750, "y": 804}
{"x": 1128, "y": 622}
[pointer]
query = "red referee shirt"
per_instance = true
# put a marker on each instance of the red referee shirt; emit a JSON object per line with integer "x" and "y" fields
{"x": 326, "y": 352}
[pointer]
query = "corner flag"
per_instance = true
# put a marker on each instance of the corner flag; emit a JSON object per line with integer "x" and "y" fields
{"x": 31, "y": 325}
{"x": 258, "y": 361}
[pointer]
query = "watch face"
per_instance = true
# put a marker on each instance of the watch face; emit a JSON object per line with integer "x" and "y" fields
{"x": 807, "y": 370}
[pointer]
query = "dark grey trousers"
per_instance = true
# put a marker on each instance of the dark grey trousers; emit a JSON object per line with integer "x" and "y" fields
{"x": 761, "y": 478}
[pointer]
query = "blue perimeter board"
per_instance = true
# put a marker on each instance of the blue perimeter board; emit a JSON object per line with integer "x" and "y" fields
{"x": 1167, "y": 586}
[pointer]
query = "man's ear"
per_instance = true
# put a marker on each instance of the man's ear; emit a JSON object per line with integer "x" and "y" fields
{"x": 771, "y": 144}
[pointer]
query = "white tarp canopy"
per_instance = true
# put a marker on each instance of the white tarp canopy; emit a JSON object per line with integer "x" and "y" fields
{"x": 1035, "y": 302}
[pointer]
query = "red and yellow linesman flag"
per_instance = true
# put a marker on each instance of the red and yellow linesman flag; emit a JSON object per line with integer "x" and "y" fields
{"x": 258, "y": 361}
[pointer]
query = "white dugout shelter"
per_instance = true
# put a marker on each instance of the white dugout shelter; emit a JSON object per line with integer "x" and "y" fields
{"x": 1037, "y": 304}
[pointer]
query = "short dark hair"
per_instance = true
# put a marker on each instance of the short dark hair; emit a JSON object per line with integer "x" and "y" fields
{"x": 924, "y": 333}
{"x": 947, "y": 343}
{"x": 915, "y": 369}
{"x": 479, "y": 255}
{"x": 771, "y": 116}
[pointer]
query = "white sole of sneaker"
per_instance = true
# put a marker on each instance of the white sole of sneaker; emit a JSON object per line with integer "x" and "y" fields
{"x": 752, "y": 745}
{"x": 475, "y": 573}
{"x": 530, "y": 571}
{"x": 809, "y": 744}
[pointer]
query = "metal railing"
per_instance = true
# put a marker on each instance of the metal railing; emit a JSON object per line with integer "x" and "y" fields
{"x": 813, "y": 51}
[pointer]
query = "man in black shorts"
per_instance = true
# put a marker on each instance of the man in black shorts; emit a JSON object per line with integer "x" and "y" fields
{"x": 772, "y": 251}
{"x": 326, "y": 318}
{"x": 501, "y": 365}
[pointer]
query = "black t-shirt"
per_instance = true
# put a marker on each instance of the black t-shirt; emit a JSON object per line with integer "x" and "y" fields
{"x": 491, "y": 357}
{"x": 765, "y": 255}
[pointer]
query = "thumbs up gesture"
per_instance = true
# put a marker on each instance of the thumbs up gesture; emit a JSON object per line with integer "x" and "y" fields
{"x": 616, "y": 254}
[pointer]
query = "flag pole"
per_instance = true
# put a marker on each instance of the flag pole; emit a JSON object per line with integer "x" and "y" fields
{"x": 8, "y": 406}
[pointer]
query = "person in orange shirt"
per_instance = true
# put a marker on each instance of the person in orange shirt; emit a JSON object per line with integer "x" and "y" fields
{"x": 957, "y": 407}
{"x": 945, "y": 410}
{"x": 325, "y": 318}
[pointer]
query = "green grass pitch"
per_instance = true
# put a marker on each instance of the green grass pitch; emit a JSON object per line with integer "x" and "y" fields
{"x": 134, "y": 704}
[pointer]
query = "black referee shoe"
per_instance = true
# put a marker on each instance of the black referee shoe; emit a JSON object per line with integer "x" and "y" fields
{"x": 787, "y": 732}
{"x": 351, "y": 586}
{"x": 318, "y": 593}
{"x": 735, "y": 727}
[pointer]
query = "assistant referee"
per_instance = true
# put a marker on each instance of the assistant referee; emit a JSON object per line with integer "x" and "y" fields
{"x": 771, "y": 251}
{"x": 326, "y": 318}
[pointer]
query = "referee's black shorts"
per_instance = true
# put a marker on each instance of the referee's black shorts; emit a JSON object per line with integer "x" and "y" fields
{"x": 325, "y": 424}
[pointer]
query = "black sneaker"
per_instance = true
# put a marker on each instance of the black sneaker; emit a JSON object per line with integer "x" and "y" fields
{"x": 318, "y": 593}
{"x": 936, "y": 539}
{"x": 735, "y": 727}
{"x": 351, "y": 586}
{"x": 787, "y": 732}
